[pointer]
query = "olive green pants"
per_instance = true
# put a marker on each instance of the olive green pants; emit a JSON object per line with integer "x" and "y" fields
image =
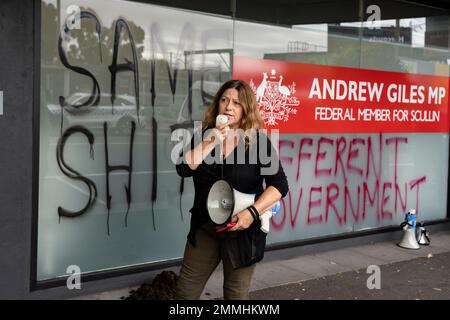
{"x": 200, "y": 261}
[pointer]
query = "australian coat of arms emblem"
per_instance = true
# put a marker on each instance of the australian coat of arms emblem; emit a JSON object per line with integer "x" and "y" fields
{"x": 276, "y": 100}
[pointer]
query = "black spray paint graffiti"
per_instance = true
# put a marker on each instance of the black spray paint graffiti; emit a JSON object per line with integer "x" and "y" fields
{"x": 185, "y": 48}
{"x": 114, "y": 68}
{"x": 186, "y": 40}
{"x": 94, "y": 98}
{"x": 109, "y": 169}
{"x": 73, "y": 174}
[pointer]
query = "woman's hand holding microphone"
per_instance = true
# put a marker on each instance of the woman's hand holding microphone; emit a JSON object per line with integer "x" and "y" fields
{"x": 215, "y": 136}
{"x": 219, "y": 133}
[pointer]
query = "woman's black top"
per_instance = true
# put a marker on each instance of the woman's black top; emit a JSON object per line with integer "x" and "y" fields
{"x": 246, "y": 178}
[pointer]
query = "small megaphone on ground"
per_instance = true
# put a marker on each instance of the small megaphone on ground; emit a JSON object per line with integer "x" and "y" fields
{"x": 409, "y": 240}
{"x": 423, "y": 237}
{"x": 224, "y": 202}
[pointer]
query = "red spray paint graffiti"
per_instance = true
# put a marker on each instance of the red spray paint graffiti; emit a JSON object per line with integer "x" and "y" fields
{"x": 357, "y": 178}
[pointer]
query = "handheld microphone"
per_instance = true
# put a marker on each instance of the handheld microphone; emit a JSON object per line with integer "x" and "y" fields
{"x": 221, "y": 119}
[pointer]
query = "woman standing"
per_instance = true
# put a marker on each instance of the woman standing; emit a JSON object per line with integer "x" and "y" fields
{"x": 205, "y": 247}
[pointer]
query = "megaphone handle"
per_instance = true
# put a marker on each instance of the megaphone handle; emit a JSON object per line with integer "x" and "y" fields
{"x": 226, "y": 227}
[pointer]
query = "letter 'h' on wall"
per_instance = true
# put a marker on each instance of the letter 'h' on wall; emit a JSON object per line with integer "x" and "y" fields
{"x": 109, "y": 169}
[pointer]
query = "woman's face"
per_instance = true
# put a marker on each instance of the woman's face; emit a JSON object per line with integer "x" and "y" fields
{"x": 230, "y": 106}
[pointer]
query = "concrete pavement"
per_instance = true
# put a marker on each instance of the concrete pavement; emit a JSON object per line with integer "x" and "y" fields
{"x": 272, "y": 278}
{"x": 337, "y": 270}
{"x": 417, "y": 279}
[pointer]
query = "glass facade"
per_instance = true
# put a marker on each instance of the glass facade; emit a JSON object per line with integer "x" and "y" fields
{"x": 118, "y": 78}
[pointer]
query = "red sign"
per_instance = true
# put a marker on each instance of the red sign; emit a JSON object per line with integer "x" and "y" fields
{"x": 306, "y": 98}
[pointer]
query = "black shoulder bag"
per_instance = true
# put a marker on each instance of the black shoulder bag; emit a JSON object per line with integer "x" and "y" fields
{"x": 252, "y": 243}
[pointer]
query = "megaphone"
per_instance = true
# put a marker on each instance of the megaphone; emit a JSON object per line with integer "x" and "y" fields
{"x": 224, "y": 202}
{"x": 423, "y": 237}
{"x": 409, "y": 240}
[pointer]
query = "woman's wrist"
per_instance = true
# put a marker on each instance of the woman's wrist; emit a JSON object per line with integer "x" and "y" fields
{"x": 253, "y": 212}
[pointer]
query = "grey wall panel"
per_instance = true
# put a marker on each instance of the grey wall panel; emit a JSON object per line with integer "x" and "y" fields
{"x": 16, "y": 82}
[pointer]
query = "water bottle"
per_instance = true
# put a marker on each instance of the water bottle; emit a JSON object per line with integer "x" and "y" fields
{"x": 267, "y": 215}
{"x": 276, "y": 208}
